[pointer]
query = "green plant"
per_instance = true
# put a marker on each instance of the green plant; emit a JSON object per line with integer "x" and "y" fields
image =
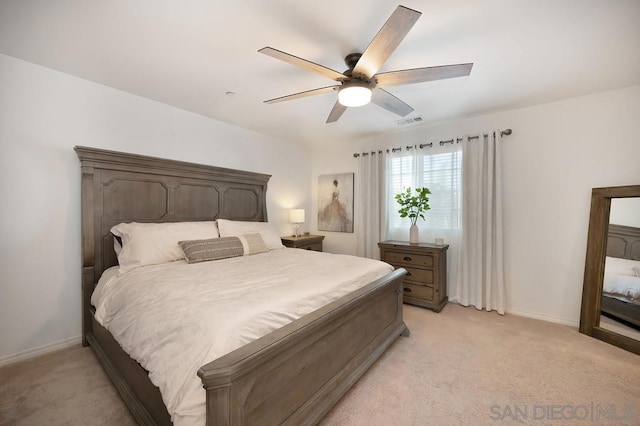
{"x": 413, "y": 205}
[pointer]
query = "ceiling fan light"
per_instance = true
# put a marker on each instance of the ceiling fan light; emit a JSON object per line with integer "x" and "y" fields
{"x": 354, "y": 95}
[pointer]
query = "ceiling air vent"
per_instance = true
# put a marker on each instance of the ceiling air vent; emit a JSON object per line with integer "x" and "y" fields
{"x": 417, "y": 119}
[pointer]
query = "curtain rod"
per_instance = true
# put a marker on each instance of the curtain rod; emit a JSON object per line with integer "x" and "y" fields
{"x": 505, "y": 132}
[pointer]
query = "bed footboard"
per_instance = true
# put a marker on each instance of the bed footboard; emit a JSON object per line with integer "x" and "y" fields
{"x": 297, "y": 373}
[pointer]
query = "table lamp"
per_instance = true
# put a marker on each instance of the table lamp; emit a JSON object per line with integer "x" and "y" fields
{"x": 296, "y": 216}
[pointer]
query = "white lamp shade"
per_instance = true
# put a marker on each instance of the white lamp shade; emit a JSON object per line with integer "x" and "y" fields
{"x": 354, "y": 95}
{"x": 296, "y": 215}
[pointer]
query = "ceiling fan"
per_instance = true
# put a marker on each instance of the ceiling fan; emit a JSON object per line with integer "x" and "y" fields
{"x": 360, "y": 84}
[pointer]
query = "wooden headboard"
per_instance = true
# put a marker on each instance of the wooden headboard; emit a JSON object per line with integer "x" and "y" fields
{"x": 623, "y": 242}
{"x": 119, "y": 187}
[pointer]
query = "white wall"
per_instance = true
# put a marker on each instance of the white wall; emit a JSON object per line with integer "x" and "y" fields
{"x": 556, "y": 154}
{"x": 625, "y": 211}
{"x": 43, "y": 115}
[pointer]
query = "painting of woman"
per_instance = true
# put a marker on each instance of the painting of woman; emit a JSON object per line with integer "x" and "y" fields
{"x": 335, "y": 202}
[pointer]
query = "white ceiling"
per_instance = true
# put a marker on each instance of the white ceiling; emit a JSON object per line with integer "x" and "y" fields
{"x": 190, "y": 53}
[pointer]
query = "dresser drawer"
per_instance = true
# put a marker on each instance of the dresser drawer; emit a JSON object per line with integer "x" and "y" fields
{"x": 417, "y": 291}
{"x": 426, "y": 281}
{"x": 409, "y": 258}
{"x": 314, "y": 247}
{"x": 422, "y": 276}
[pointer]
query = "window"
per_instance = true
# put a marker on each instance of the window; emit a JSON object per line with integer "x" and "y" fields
{"x": 441, "y": 173}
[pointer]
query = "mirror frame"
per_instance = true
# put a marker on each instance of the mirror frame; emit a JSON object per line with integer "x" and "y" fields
{"x": 594, "y": 266}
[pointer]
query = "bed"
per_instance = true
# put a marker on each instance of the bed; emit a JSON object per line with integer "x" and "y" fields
{"x": 621, "y": 284}
{"x": 326, "y": 350}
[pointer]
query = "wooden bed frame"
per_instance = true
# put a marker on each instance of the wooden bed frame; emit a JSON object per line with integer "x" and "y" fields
{"x": 293, "y": 375}
{"x": 622, "y": 242}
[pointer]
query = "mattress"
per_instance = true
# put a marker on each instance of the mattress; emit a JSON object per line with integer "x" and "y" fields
{"x": 175, "y": 317}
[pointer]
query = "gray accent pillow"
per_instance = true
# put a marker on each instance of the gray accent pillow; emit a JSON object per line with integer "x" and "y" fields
{"x": 196, "y": 251}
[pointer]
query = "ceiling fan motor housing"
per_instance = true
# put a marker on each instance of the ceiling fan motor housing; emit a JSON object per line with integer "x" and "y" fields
{"x": 352, "y": 59}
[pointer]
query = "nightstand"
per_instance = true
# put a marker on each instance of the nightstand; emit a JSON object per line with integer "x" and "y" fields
{"x": 306, "y": 242}
{"x": 426, "y": 281}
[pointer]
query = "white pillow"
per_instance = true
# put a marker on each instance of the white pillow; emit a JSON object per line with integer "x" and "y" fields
{"x": 235, "y": 228}
{"x": 154, "y": 243}
{"x": 117, "y": 247}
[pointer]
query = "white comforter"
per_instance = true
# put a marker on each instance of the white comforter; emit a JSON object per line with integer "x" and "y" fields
{"x": 175, "y": 317}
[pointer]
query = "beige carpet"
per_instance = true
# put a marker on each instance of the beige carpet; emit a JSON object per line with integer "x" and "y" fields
{"x": 459, "y": 367}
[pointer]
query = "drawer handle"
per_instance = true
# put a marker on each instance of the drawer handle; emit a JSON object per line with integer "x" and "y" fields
{"x": 407, "y": 259}
{"x": 407, "y": 289}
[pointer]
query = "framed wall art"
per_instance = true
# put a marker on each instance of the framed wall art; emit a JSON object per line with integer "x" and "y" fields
{"x": 335, "y": 202}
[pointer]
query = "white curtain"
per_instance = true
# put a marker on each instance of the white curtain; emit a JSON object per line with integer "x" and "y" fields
{"x": 370, "y": 207}
{"x": 480, "y": 278}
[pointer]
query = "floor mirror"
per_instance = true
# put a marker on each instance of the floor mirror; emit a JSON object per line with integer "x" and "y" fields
{"x": 611, "y": 292}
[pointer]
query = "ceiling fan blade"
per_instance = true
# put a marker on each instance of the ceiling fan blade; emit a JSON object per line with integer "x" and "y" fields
{"x": 303, "y": 94}
{"x": 303, "y": 63}
{"x": 389, "y": 102}
{"x": 336, "y": 112}
{"x": 386, "y": 41}
{"x": 420, "y": 75}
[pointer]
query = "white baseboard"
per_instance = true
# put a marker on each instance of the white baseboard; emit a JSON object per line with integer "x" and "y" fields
{"x": 563, "y": 321}
{"x": 527, "y": 314}
{"x": 41, "y": 350}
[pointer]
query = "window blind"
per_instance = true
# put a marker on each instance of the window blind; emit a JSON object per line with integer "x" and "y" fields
{"x": 441, "y": 173}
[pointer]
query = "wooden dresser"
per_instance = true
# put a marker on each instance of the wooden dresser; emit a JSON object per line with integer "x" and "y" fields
{"x": 426, "y": 281}
{"x": 305, "y": 242}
